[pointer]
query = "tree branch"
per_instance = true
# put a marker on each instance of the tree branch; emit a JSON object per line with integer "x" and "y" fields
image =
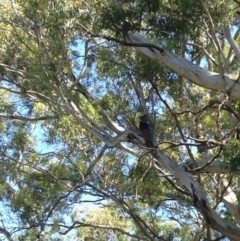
{"x": 232, "y": 43}
{"x": 78, "y": 224}
{"x": 199, "y": 197}
{"x": 18, "y": 117}
{"x": 193, "y": 72}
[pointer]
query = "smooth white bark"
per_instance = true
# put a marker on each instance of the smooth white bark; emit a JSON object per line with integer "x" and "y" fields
{"x": 214, "y": 167}
{"x": 231, "y": 201}
{"x": 232, "y": 42}
{"x": 212, "y": 218}
{"x": 208, "y": 80}
{"x": 183, "y": 67}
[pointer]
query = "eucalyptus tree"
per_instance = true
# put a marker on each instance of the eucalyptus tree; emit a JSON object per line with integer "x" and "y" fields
{"x": 76, "y": 80}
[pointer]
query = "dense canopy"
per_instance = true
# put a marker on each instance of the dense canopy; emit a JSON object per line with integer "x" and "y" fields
{"x": 119, "y": 120}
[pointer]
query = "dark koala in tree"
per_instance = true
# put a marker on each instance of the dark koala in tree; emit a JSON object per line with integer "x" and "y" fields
{"x": 146, "y": 128}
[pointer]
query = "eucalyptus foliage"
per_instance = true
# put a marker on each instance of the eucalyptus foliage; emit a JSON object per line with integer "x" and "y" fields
{"x": 73, "y": 84}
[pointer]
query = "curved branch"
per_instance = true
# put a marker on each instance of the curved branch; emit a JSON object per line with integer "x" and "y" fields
{"x": 183, "y": 67}
{"x": 230, "y": 199}
{"x": 6, "y": 233}
{"x": 143, "y": 227}
{"x": 232, "y": 43}
{"x": 199, "y": 197}
{"x": 213, "y": 166}
{"x": 78, "y": 224}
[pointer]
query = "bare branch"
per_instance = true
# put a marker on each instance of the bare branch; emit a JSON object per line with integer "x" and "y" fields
{"x": 6, "y": 233}
{"x": 17, "y": 117}
{"x": 199, "y": 197}
{"x": 193, "y": 72}
{"x": 230, "y": 199}
{"x": 213, "y": 166}
{"x": 232, "y": 43}
{"x": 215, "y": 40}
{"x": 78, "y": 224}
{"x": 98, "y": 157}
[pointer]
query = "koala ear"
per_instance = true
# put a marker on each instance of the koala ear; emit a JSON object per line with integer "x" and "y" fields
{"x": 144, "y": 118}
